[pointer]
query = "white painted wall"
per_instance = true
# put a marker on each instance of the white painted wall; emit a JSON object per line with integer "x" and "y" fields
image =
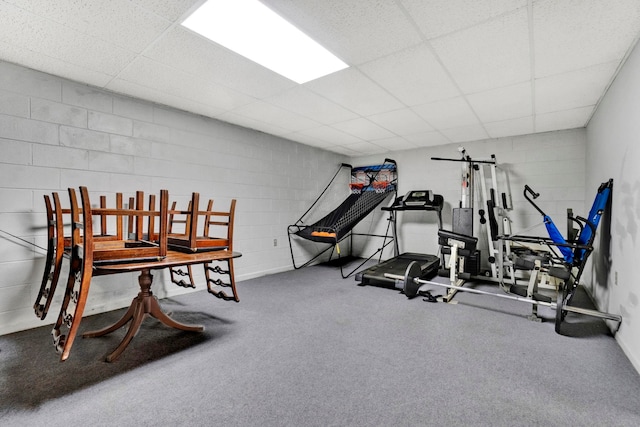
{"x": 56, "y": 134}
{"x": 552, "y": 163}
{"x": 613, "y": 150}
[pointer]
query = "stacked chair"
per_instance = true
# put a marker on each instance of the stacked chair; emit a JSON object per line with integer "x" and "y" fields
{"x": 59, "y": 247}
{"x": 87, "y": 252}
{"x": 144, "y": 246}
{"x": 178, "y": 274}
{"x": 216, "y": 233}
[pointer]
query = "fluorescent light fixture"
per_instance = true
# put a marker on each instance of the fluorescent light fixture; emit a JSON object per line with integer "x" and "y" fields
{"x": 254, "y": 31}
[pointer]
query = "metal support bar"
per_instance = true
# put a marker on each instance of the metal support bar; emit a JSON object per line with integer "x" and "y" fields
{"x": 588, "y": 312}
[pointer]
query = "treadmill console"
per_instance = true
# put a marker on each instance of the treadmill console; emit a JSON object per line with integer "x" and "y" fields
{"x": 418, "y": 198}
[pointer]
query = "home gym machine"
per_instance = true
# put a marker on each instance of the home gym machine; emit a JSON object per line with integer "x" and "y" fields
{"x": 423, "y": 200}
{"x": 474, "y": 255}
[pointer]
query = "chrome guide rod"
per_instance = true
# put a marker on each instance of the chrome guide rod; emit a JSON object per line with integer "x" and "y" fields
{"x": 400, "y": 279}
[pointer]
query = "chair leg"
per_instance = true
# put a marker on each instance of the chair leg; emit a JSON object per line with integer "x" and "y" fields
{"x": 177, "y": 272}
{"x": 213, "y": 283}
{"x": 48, "y": 285}
{"x": 59, "y": 256}
{"x": 72, "y": 307}
{"x": 53, "y": 263}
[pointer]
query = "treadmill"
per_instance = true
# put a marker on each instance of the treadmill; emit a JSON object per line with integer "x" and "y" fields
{"x": 420, "y": 200}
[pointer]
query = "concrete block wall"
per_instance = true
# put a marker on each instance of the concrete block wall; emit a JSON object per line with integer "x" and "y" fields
{"x": 613, "y": 151}
{"x": 551, "y": 163}
{"x": 56, "y": 134}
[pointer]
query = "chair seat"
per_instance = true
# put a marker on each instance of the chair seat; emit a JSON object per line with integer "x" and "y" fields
{"x": 183, "y": 243}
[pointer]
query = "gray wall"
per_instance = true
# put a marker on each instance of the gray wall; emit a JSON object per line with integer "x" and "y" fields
{"x": 613, "y": 151}
{"x": 566, "y": 167}
{"x": 56, "y": 134}
{"x": 552, "y": 163}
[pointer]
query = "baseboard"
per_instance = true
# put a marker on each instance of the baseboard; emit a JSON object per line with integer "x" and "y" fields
{"x": 612, "y": 327}
{"x": 257, "y": 274}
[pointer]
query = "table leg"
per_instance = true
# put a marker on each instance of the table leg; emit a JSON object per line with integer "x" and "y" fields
{"x": 144, "y": 304}
{"x": 120, "y": 323}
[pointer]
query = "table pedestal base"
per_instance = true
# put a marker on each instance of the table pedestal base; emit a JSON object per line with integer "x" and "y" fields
{"x": 141, "y": 306}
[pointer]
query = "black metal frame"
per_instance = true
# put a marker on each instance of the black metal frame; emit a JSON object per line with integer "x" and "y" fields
{"x": 299, "y": 225}
{"x": 559, "y": 267}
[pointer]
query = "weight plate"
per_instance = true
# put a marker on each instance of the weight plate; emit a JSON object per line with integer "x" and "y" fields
{"x": 412, "y": 272}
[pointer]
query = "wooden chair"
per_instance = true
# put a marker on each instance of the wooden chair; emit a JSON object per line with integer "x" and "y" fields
{"x": 59, "y": 247}
{"x": 55, "y": 253}
{"x": 222, "y": 219}
{"x": 87, "y": 252}
{"x": 178, "y": 274}
{"x": 216, "y": 234}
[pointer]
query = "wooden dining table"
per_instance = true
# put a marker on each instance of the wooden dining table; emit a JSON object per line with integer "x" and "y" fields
{"x": 145, "y": 303}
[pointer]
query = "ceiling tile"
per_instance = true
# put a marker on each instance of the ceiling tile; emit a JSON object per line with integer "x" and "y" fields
{"x": 269, "y": 113}
{"x": 512, "y": 127}
{"x": 366, "y": 148}
{"x": 308, "y": 140}
{"x": 355, "y": 31}
{"x": 574, "y": 34}
{"x": 414, "y": 76}
{"x": 427, "y": 139}
{"x": 28, "y": 58}
{"x": 146, "y": 72}
{"x": 345, "y": 150}
{"x": 330, "y": 135}
{"x": 394, "y": 143}
{"x": 489, "y": 55}
{"x": 465, "y": 133}
{"x": 169, "y": 9}
{"x": 301, "y": 100}
{"x": 363, "y": 129}
{"x": 573, "y": 89}
{"x": 137, "y": 27}
{"x": 252, "y": 123}
{"x": 159, "y": 97}
{"x": 51, "y": 39}
{"x": 436, "y": 17}
{"x": 423, "y": 72}
{"x": 401, "y": 122}
{"x": 354, "y": 91}
{"x": 567, "y": 119}
{"x": 184, "y": 50}
{"x": 454, "y": 112}
{"x": 503, "y": 103}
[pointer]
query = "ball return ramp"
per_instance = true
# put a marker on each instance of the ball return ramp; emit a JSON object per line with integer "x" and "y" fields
{"x": 370, "y": 186}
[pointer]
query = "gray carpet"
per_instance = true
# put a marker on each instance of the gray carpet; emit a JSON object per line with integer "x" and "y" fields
{"x": 306, "y": 348}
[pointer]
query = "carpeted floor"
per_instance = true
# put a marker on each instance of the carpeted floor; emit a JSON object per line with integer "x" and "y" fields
{"x": 307, "y": 348}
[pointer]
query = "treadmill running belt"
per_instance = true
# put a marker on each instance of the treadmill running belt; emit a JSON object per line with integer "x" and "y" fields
{"x": 375, "y": 275}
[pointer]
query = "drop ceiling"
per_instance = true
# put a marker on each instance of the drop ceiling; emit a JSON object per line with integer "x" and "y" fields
{"x": 422, "y": 72}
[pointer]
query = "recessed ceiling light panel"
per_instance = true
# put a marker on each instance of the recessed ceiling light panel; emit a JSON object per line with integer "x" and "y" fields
{"x": 254, "y": 31}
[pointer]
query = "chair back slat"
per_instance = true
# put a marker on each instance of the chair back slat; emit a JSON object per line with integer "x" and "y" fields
{"x": 138, "y": 245}
{"x": 194, "y": 240}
